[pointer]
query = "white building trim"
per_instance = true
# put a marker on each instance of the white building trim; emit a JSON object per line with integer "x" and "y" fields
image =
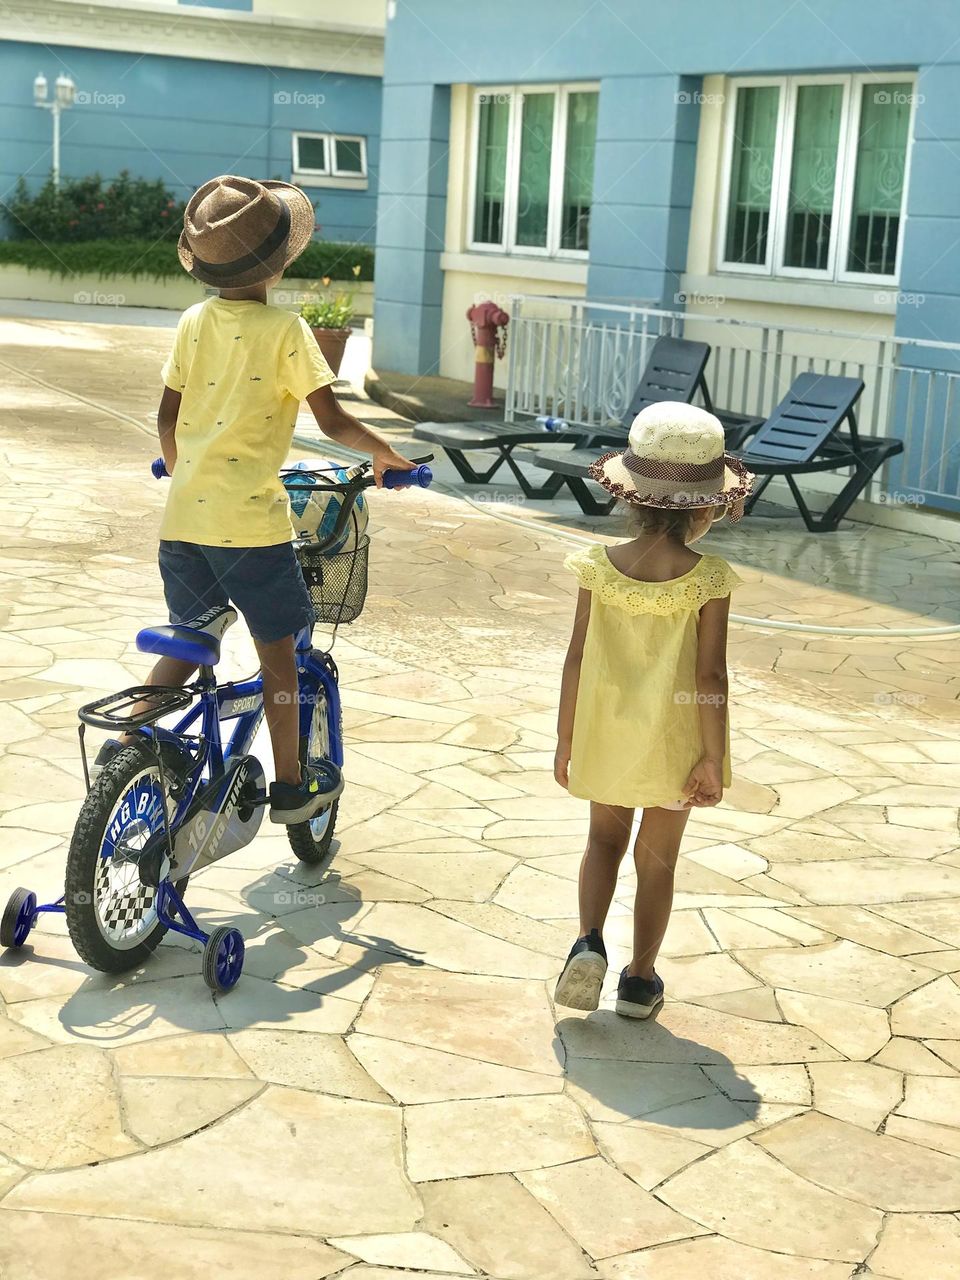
{"x": 183, "y": 31}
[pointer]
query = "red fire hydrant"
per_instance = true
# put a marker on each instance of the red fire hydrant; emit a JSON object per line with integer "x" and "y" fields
{"x": 488, "y": 324}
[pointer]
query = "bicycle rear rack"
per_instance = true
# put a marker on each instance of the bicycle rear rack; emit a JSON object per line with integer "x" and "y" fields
{"x": 113, "y": 711}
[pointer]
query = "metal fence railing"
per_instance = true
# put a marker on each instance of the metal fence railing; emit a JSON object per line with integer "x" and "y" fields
{"x": 581, "y": 360}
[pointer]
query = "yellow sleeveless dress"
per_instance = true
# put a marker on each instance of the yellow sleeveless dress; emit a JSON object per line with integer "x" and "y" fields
{"x": 636, "y": 731}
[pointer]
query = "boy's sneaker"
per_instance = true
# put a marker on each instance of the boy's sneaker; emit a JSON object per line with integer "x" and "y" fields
{"x": 320, "y": 786}
{"x": 639, "y": 997}
{"x": 578, "y": 987}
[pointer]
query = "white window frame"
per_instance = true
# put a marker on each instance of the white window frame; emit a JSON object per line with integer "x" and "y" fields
{"x": 295, "y": 147}
{"x": 508, "y": 243}
{"x": 332, "y": 155}
{"x": 773, "y": 267}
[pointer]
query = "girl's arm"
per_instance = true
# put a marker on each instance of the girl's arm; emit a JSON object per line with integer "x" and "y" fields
{"x": 167, "y": 427}
{"x": 705, "y": 784}
{"x": 568, "y": 689}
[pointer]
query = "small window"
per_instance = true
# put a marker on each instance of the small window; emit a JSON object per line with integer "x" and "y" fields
{"x": 816, "y": 176}
{"x": 348, "y": 156}
{"x": 310, "y": 153}
{"x": 533, "y": 161}
{"x": 330, "y": 154}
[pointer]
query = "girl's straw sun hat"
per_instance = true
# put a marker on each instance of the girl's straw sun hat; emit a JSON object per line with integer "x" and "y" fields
{"x": 238, "y": 232}
{"x": 675, "y": 458}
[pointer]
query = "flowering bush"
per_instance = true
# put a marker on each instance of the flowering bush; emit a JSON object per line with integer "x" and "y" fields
{"x": 94, "y": 208}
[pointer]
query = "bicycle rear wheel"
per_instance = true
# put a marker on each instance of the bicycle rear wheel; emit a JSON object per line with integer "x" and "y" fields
{"x": 311, "y": 841}
{"x": 111, "y": 914}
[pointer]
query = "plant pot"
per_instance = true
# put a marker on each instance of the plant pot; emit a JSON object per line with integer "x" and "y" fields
{"x": 332, "y": 342}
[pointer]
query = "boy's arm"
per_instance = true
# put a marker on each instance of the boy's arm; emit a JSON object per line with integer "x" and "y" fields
{"x": 569, "y": 685}
{"x": 342, "y": 427}
{"x": 167, "y": 426}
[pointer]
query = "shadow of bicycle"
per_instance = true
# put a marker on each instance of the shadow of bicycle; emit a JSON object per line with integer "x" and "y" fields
{"x": 307, "y": 966}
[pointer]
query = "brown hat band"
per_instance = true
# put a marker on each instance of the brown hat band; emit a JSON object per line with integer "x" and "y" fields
{"x": 265, "y": 250}
{"x": 665, "y": 477}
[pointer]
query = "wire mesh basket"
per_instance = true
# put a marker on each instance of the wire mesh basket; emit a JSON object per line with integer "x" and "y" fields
{"x": 337, "y": 583}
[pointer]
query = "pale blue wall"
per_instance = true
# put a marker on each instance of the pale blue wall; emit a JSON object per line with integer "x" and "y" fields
{"x": 185, "y": 121}
{"x": 644, "y": 56}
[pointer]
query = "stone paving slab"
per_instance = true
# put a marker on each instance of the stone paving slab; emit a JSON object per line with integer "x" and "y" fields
{"x": 390, "y": 1088}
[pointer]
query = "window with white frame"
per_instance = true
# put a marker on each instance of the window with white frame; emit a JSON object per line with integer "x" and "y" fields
{"x": 815, "y": 176}
{"x": 532, "y": 170}
{"x": 331, "y": 155}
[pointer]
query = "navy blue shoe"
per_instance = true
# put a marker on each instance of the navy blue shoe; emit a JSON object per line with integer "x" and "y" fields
{"x": 319, "y": 787}
{"x": 639, "y": 997}
{"x": 578, "y": 987}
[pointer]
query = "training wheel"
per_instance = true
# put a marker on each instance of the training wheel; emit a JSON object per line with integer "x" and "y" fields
{"x": 18, "y": 918}
{"x": 223, "y": 958}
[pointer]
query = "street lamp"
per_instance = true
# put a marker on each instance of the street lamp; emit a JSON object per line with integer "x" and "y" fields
{"x": 64, "y": 93}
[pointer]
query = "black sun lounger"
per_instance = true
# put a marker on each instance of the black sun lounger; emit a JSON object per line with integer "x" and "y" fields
{"x": 674, "y": 372}
{"x": 803, "y": 435}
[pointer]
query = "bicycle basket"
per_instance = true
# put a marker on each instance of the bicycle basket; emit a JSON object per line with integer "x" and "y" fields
{"x": 337, "y": 583}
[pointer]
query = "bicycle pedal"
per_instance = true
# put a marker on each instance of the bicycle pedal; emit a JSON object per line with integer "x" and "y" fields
{"x": 153, "y": 866}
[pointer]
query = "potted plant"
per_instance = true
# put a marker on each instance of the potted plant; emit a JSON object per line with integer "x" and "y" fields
{"x": 329, "y": 319}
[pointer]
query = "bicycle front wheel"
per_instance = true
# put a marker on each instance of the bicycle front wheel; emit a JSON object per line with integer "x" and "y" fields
{"x": 311, "y": 841}
{"x": 111, "y": 914}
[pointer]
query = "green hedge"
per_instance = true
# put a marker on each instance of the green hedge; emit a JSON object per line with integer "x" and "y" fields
{"x": 158, "y": 260}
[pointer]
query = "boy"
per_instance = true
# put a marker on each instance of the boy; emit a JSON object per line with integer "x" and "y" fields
{"x": 232, "y": 387}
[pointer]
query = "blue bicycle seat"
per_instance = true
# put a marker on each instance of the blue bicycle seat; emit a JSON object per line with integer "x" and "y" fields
{"x": 196, "y": 641}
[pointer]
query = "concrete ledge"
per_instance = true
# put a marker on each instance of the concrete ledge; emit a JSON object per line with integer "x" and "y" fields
{"x": 176, "y": 293}
{"x": 427, "y": 398}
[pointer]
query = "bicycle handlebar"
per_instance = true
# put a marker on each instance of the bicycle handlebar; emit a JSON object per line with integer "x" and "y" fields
{"x": 421, "y": 476}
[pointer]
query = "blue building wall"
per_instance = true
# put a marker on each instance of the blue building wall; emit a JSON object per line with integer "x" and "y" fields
{"x": 184, "y": 121}
{"x": 646, "y": 58}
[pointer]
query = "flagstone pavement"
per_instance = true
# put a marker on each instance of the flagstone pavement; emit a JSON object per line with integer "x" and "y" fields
{"x": 390, "y": 1090}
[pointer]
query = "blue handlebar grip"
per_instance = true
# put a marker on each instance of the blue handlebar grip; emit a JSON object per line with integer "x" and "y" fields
{"x": 159, "y": 468}
{"x": 420, "y": 476}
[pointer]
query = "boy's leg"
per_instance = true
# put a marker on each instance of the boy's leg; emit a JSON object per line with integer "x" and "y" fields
{"x": 655, "y": 853}
{"x": 281, "y": 706}
{"x": 607, "y": 842}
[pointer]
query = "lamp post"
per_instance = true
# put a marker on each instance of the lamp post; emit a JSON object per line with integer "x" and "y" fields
{"x": 64, "y": 92}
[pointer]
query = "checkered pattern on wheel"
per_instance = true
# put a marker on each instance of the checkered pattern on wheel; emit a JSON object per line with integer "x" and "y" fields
{"x": 121, "y": 908}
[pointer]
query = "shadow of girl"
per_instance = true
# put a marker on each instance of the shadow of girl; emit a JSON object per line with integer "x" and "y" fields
{"x": 621, "y": 1070}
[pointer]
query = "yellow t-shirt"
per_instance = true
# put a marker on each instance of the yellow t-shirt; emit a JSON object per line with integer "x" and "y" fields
{"x": 242, "y": 369}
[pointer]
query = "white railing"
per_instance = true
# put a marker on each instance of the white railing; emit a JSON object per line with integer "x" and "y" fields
{"x": 581, "y": 360}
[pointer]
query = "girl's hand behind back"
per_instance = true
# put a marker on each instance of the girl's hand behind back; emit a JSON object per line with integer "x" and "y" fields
{"x": 704, "y": 787}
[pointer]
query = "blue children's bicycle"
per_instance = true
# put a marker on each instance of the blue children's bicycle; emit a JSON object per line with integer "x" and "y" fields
{"x": 180, "y": 798}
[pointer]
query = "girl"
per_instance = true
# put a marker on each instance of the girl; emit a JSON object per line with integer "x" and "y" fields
{"x": 643, "y": 702}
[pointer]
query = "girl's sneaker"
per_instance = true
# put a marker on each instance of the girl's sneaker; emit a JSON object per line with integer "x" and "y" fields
{"x": 578, "y": 987}
{"x": 639, "y": 997}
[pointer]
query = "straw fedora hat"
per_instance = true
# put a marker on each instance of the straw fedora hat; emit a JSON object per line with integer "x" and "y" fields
{"x": 239, "y": 232}
{"x": 675, "y": 457}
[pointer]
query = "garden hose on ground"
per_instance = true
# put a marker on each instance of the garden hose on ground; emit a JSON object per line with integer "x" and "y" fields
{"x": 744, "y": 620}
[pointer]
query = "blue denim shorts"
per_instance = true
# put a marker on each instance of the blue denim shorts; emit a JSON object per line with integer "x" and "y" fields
{"x": 264, "y": 583}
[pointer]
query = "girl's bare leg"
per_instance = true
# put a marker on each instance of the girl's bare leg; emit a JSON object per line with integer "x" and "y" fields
{"x": 606, "y": 844}
{"x": 655, "y": 853}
